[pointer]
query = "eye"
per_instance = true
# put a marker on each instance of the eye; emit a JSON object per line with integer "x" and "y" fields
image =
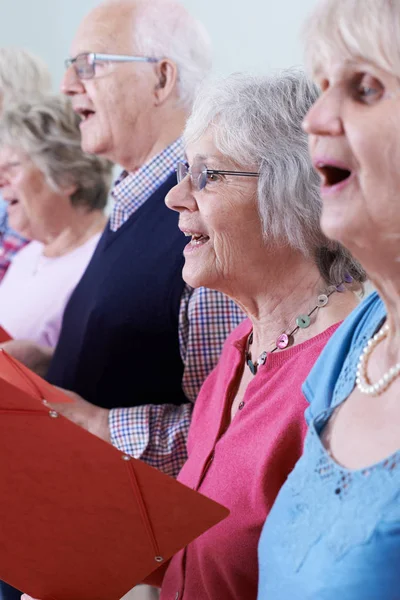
{"x": 213, "y": 177}
{"x": 367, "y": 89}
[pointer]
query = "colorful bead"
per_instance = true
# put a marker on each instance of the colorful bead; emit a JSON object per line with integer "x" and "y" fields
{"x": 340, "y": 288}
{"x": 348, "y": 278}
{"x": 303, "y": 321}
{"x": 283, "y": 341}
{"x": 251, "y": 366}
{"x": 322, "y": 300}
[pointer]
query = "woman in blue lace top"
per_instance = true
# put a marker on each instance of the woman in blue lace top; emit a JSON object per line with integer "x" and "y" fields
{"x": 334, "y": 531}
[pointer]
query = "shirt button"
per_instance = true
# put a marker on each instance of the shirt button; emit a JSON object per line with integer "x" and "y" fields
{"x": 241, "y": 406}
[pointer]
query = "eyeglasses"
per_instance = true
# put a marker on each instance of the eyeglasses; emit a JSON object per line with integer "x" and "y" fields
{"x": 200, "y": 175}
{"x": 85, "y": 63}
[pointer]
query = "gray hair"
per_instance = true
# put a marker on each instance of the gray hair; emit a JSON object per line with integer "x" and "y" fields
{"x": 354, "y": 29}
{"x": 22, "y": 75}
{"x": 47, "y": 131}
{"x": 256, "y": 122}
{"x": 165, "y": 29}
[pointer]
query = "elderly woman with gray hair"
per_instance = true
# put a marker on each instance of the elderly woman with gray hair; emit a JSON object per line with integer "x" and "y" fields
{"x": 334, "y": 531}
{"x": 248, "y": 200}
{"x": 55, "y": 196}
{"x": 22, "y": 76}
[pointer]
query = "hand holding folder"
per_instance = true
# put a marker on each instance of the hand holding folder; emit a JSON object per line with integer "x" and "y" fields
{"x": 80, "y": 520}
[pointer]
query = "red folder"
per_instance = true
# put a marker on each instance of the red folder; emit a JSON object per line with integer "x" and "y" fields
{"x": 80, "y": 520}
{"x": 4, "y": 336}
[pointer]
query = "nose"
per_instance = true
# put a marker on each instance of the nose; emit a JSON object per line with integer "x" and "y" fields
{"x": 71, "y": 84}
{"x": 180, "y": 197}
{"x": 324, "y": 117}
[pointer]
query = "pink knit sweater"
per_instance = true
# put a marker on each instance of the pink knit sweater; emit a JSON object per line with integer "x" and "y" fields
{"x": 243, "y": 468}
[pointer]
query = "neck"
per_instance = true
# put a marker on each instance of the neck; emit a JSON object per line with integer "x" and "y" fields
{"x": 168, "y": 130}
{"x": 73, "y": 232}
{"x": 389, "y": 290}
{"x": 292, "y": 291}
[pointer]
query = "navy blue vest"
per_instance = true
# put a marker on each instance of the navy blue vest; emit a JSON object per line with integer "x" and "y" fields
{"x": 119, "y": 342}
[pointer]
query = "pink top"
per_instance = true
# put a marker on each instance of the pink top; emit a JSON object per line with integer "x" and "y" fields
{"x": 36, "y": 289}
{"x": 242, "y": 466}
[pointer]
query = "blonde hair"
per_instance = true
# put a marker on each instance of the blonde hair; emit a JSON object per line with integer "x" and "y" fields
{"x": 354, "y": 29}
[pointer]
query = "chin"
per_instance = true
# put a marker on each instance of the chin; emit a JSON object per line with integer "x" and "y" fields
{"x": 341, "y": 228}
{"x": 93, "y": 145}
{"x": 195, "y": 279}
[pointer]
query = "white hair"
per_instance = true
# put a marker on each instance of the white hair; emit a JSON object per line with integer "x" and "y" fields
{"x": 22, "y": 75}
{"x": 354, "y": 29}
{"x": 47, "y": 131}
{"x": 256, "y": 122}
{"x": 165, "y": 29}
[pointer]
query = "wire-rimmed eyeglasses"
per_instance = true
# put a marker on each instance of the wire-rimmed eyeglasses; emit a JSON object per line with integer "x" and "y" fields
{"x": 200, "y": 175}
{"x": 85, "y": 63}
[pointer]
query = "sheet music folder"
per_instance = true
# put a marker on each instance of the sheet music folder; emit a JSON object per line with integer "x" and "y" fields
{"x": 79, "y": 519}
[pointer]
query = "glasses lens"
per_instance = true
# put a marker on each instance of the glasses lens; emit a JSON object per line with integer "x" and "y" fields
{"x": 84, "y": 66}
{"x": 182, "y": 170}
{"x": 199, "y": 176}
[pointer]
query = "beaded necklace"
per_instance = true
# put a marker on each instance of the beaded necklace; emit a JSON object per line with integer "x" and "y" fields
{"x": 285, "y": 340}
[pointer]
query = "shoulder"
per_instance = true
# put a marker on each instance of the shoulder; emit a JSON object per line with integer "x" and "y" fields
{"x": 345, "y": 343}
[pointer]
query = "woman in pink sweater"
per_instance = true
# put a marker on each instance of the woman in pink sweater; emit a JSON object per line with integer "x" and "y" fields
{"x": 248, "y": 199}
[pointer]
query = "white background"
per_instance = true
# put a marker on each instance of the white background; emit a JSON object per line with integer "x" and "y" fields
{"x": 248, "y": 35}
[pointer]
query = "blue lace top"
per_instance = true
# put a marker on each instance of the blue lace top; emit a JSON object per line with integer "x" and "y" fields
{"x": 334, "y": 533}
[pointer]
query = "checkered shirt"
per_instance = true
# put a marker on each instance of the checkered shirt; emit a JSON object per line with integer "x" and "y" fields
{"x": 157, "y": 433}
{"x": 131, "y": 190}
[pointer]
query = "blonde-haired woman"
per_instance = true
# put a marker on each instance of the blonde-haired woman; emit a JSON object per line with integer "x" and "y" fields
{"x": 55, "y": 196}
{"x": 334, "y": 531}
{"x": 23, "y": 76}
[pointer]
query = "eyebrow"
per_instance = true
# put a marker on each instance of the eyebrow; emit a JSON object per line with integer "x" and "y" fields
{"x": 213, "y": 158}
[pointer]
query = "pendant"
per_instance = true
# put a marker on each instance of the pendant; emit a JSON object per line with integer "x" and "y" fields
{"x": 252, "y": 366}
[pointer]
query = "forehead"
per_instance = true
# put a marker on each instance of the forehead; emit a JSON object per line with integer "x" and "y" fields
{"x": 205, "y": 150}
{"x": 337, "y": 68}
{"x": 105, "y": 29}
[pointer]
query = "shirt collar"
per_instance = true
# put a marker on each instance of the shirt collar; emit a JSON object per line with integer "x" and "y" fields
{"x": 131, "y": 190}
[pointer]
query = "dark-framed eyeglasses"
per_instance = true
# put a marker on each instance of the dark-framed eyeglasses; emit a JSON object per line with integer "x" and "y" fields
{"x": 200, "y": 175}
{"x": 85, "y": 63}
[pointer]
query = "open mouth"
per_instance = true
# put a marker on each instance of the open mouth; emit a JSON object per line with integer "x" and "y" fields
{"x": 198, "y": 239}
{"x": 85, "y": 113}
{"x": 332, "y": 175}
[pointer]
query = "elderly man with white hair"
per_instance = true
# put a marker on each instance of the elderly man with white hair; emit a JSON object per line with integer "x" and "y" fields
{"x": 135, "y": 338}
{"x": 134, "y": 334}
{"x": 22, "y": 76}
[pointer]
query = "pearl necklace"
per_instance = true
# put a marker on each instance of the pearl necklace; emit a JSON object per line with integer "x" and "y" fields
{"x": 363, "y": 382}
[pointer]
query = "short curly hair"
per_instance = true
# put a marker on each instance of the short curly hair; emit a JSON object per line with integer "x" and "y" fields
{"x": 47, "y": 130}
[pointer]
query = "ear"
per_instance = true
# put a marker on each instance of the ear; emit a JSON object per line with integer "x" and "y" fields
{"x": 167, "y": 78}
{"x": 69, "y": 189}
